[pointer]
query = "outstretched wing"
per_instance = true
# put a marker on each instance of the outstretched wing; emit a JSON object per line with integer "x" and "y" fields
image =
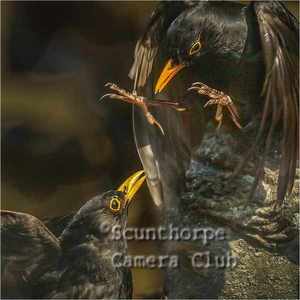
{"x": 147, "y": 46}
{"x": 28, "y": 251}
{"x": 160, "y": 155}
{"x": 279, "y": 35}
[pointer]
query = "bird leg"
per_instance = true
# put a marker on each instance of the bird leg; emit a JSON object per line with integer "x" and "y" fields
{"x": 220, "y": 99}
{"x": 132, "y": 98}
{"x": 142, "y": 102}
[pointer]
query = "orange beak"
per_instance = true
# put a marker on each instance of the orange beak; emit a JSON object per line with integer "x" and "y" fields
{"x": 168, "y": 72}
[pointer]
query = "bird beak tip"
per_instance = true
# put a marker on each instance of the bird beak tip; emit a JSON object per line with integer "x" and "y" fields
{"x": 132, "y": 184}
{"x": 156, "y": 91}
{"x": 168, "y": 73}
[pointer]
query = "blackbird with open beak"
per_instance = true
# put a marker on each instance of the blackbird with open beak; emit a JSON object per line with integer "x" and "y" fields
{"x": 243, "y": 58}
{"x": 77, "y": 264}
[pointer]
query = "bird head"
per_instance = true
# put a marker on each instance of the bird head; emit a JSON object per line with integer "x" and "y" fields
{"x": 116, "y": 202}
{"x": 195, "y": 34}
{"x": 184, "y": 47}
{"x": 100, "y": 214}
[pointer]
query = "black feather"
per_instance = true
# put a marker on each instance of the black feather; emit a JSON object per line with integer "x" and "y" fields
{"x": 279, "y": 32}
{"x": 77, "y": 265}
{"x": 28, "y": 251}
{"x": 250, "y": 52}
{"x": 147, "y": 46}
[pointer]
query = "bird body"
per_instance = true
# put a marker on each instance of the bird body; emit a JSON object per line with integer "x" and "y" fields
{"x": 248, "y": 52}
{"x": 86, "y": 268}
{"x": 78, "y": 264}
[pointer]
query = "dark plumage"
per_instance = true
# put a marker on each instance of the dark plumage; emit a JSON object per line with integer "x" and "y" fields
{"x": 77, "y": 264}
{"x": 248, "y": 51}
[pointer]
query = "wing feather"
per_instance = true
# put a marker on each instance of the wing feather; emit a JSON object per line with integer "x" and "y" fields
{"x": 28, "y": 251}
{"x": 147, "y": 46}
{"x": 279, "y": 32}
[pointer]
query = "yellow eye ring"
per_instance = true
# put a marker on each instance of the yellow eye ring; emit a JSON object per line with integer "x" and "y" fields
{"x": 115, "y": 204}
{"x": 195, "y": 48}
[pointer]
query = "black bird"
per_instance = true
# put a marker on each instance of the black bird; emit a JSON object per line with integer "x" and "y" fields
{"x": 245, "y": 58}
{"x": 78, "y": 264}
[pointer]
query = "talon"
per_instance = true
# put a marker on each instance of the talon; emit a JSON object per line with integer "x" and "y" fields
{"x": 197, "y": 83}
{"x": 219, "y": 98}
{"x": 210, "y": 102}
{"x": 193, "y": 88}
{"x": 160, "y": 127}
{"x": 104, "y": 96}
{"x": 133, "y": 98}
{"x": 152, "y": 121}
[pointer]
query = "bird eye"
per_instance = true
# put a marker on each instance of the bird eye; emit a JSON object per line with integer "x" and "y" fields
{"x": 195, "y": 48}
{"x": 115, "y": 204}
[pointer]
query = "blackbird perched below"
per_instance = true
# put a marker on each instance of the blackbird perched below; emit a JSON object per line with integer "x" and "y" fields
{"x": 78, "y": 264}
{"x": 244, "y": 57}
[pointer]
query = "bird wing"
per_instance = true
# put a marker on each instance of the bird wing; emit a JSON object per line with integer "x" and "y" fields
{"x": 28, "y": 251}
{"x": 279, "y": 36}
{"x": 147, "y": 46}
{"x": 161, "y": 156}
{"x": 57, "y": 224}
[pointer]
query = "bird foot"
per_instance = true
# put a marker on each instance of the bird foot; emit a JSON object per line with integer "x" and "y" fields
{"x": 217, "y": 98}
{"x": 142, "y": 102}
{"x": 123, "y": 95}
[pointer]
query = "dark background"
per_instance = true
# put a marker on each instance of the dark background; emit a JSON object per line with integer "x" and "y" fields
{"x": 60, "y": 146}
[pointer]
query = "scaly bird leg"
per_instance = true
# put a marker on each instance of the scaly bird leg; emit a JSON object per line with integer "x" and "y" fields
{"x": 217, "y": 98}
{"x": 143, "y": 103}
{"x": 125, "y": 96}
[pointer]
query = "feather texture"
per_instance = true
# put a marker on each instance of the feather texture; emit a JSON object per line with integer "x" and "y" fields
{"x": 147, "y": 46}
{"x": 268, "y": 33}
{"x": 279, "y": 32}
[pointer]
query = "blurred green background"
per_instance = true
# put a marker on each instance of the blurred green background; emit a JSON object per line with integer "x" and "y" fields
{"x": 60, "y": 146}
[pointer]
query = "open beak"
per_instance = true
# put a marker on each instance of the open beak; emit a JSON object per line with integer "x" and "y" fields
{"x": 131, "y": 185}
{"x": 168, "y": 72}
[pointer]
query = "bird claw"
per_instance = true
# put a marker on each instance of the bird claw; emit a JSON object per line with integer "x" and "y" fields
{"x": 104, "y": 96}
{"x": 198, "y": 83}
{"x": 193, "y": 88}
{"x": 153, "y": 121}
{"x": 210, "y": 102}
{"x": 132, "y": 98}
{"x": 217, "y": 98}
